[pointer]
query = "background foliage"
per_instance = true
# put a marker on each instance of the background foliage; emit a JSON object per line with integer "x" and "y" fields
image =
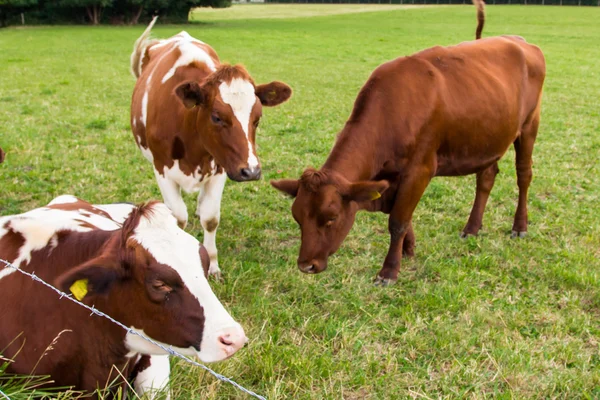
{"x": 487, "y": 317}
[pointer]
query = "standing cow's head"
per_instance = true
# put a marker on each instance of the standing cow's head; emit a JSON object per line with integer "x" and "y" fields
{"x": 151, "y": 276}
{"x": 228, "y": 109}
{"x": 325, "y": 206}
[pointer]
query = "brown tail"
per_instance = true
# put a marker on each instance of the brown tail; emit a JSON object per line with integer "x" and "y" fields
{"x": 480, "y": 4}
{"x": 139, "y": 49}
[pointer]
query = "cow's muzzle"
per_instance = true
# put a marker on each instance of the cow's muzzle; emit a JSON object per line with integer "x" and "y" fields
{"x": 246, "y": 174}
{"x": 312, "y": 266}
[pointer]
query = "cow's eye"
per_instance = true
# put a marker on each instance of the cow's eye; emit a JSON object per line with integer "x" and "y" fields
{"x": 161, "y": 286}
{"x": 215, "y": 119}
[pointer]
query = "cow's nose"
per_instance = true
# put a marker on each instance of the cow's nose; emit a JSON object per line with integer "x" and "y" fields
{"x": 250, "y": 174}
{"x": 309, "y": 267}
{"x": 232, "y": 339}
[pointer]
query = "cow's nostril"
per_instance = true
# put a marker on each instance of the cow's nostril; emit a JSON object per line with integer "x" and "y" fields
{"x": 245, "y": 173}
{"x": 226, "y": 340}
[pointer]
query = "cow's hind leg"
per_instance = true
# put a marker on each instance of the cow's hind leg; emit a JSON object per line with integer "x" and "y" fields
{"x": 485, "y": 183}
{"x": 408, "y": 246}
{"x": 171, "y": 193}
{"x": 524, "y": 150}
{"x": 209, "y": 212}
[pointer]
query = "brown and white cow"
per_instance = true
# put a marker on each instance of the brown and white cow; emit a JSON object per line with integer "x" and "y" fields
{"x": 445, "y": 111}
{"x": 140, "y": 268}
{"x": 195, "y": 119}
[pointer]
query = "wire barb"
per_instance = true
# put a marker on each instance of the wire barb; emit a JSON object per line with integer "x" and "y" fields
{"x": 169, "y": 350}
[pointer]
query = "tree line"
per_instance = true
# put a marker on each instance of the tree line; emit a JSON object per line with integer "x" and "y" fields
{"x": 99, "y": 11}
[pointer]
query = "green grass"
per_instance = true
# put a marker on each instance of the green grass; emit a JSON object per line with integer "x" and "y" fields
{"x": 487, "y": 317}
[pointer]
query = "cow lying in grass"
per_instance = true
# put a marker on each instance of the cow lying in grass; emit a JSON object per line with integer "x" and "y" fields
{"x": 445, "y": 111}
{"x": 132, "y": 263}
{"x": 195, "y": 120}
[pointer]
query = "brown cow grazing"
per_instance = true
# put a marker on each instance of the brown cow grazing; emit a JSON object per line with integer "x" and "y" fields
{"x": 136, "y": 265}
{"x": 445, "y": 111}
{"x": 195, "y": 119}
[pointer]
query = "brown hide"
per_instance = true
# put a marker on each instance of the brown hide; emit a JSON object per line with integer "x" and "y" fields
{"x": 445, "y": 111}
{"x": 1, "y": 155}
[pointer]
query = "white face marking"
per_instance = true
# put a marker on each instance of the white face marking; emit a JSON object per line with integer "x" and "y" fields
{"x": 154, "y": 378}
{"x": 239, "y": 94}
{"x": 39, "y": 227}
{"x": 189, "y": 53}
{"x": 170, "y": 245}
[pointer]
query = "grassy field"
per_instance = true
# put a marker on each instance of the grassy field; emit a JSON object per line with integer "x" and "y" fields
{"x": 487, "y": 317}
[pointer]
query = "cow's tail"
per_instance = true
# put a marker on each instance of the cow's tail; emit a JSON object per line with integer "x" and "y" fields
{"x": 480, "y": 4}
{"x": 139, "y": 49}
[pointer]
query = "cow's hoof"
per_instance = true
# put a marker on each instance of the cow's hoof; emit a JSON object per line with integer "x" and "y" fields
{"x": 465, "y": 235}
{"x": 215, "y": 273}
{"x": 380, "y": 281}
{"x": 515, "y": 234}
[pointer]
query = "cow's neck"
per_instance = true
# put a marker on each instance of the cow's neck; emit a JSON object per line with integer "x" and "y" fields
{"x": 358, "y": 153}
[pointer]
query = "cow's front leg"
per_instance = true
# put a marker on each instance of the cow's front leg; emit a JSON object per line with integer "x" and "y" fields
{"x": 152, "y": 377}
{"x": 171, "y": 193}
{"x": 399, "y": 225}
{"x": 209, "y": 212}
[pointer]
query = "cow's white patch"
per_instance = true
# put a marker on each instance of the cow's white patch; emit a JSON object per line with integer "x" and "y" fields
{"x": 209, "y": 212}
{"x": 64, "y": 199}
{"x": 189, "y": 183}
{"x": 39, "y": 227}
{"x": 159, "y": 234}
{"x": 146, "y": 152}
{"x": 190, "y": 52}
{"x": 239, "y": 94}
{"x": 133, "y": 122}
{"x": 118, "y": 212}
{"x": 154, "y": 379}
{"x": 171, "y": 193}
{"x": 145, "y": 107}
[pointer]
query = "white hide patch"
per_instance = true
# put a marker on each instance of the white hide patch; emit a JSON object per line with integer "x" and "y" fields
{"x": 145, "y": 150}
{"x": 145, "y": 106}
{"x": 240, "y": 96}
{"x": 153, "y": 379}
{"x": 172, "y": 246}
{"x": 189, "y": 183}
{"x": 39, "y": 227}
{"x": 118, "y": 212}
{"x": 189, "y": 53}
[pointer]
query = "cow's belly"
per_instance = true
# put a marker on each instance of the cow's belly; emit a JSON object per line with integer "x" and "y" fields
{"x": 472, "y": 157}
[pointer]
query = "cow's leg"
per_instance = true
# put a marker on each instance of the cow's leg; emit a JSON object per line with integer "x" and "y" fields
{"x": 152, "y": 377}
{"x": 209, "y": 212}
{"x": 399, "y": 225}
{"x": 408, "y": 246}
{"x": 171, "y": 193}
{"x": 524, "y": 150}
{"x": 485, "y": 183}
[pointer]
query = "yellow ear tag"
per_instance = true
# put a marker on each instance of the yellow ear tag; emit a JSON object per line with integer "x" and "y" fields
{"x": 375, "y": 195}
{"x": 79, "y": 288}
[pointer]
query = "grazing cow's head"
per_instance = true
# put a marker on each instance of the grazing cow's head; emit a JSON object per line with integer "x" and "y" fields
{"x": 229, "y": 107}
{"x": 151, "y": 276}
{"x": 325, "y": 208}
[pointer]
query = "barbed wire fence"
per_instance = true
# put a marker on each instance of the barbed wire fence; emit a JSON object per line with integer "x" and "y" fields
{"x": 94, "y": 311}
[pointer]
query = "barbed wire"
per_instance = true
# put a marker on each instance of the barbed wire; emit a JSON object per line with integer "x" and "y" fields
{"x": 168, "y": 349}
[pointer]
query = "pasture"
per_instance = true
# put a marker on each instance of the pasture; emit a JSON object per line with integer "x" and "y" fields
{"x": 486, "y": 317}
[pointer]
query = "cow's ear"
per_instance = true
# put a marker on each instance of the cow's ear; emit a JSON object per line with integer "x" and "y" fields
{"x": 94, "y": 277}
{"x": 274, "y": 93}
{"x": 191, "y": 94}
{"x": 288, "y": 186}
{"x": 365, "y": 190}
